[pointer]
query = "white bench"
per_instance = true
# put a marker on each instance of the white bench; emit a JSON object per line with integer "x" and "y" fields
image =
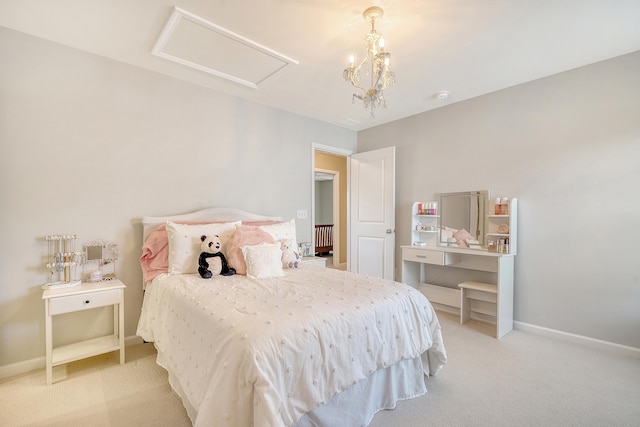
{"x": 484, "y": 292}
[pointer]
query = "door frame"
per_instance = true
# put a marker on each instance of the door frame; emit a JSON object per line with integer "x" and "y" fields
{"x": 335, "y": 183}
{"x": 341, "y": 152}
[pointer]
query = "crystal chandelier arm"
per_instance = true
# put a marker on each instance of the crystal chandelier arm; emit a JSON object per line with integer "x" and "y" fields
{"x": 352, "y": 73}
{"x": 379, "y": 71}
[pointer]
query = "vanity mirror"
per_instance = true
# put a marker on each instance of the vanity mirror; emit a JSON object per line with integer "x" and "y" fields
{"x": 464, "y": 210}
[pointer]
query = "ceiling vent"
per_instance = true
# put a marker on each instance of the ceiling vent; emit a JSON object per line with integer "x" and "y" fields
{"x": 197, "y": 43}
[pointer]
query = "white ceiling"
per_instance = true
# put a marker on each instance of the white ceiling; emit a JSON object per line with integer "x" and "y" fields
{"x": 466, "y": 47}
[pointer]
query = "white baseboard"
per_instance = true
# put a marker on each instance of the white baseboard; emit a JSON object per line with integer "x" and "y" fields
{"x": 610, "y": 347}
{"x": 36, "y": 363}
{"x": 18, "y": 368}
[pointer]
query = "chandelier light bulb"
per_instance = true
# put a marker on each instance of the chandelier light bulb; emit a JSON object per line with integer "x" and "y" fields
{"x": 352, "y": 59}
{"x": 381, "y": 43}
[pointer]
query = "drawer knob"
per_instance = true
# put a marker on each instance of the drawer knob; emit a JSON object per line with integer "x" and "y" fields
{"x": 87, "y": 301}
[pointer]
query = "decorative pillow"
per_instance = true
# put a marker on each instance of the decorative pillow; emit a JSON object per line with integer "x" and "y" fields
{"x": 155, "y": 254}
{"x": 245, "y": 235}
{"x": 283, "y": 230}
{"x": 184, "y": 243}
{"x": 461, "y": 237}
{"x": 446, "y": 233}
{"x": 263, "y": 260}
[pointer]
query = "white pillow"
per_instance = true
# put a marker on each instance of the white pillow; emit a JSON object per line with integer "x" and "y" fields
{"x": 283, "y": 230}
{"x": 184, "y": 243}
{"x": 263, "y": 260}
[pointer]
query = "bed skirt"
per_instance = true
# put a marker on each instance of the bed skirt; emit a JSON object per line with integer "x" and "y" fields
{"x": 356, "y": 406}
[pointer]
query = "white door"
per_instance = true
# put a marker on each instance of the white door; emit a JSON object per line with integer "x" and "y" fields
{"x": 372, "y": 212}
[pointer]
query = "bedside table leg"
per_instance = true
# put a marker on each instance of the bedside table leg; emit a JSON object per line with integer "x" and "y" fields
{"x": 48, "y": 343}
{"x": 121, "y": 329}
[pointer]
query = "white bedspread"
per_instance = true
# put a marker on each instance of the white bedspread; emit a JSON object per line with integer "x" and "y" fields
{"x": 246, "y": 352}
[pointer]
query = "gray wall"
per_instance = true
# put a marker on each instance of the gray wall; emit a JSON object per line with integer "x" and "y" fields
{"x": 89, "y": 145}
{"x": 324, "y": 202}
{"x": 568, "y": 146}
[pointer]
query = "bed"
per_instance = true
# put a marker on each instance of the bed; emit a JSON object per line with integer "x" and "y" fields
{"x": 306, "y": 346}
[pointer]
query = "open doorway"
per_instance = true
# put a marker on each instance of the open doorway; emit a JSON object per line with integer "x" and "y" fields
{"x": 330, "y": 208}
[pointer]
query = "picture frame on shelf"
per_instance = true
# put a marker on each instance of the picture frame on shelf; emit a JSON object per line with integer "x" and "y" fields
{"x": 306, "y": 249}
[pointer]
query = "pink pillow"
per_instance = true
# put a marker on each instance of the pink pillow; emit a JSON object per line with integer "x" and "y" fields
{"x": 245, "y": 235}
{"x": 155, "y": 254}
{"x": 461, "y": 237}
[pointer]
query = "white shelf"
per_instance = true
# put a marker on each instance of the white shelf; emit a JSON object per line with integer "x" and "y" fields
{"x": 510, "y": 219}
{"x": 427, "y": 237}
{"x": 84, "y": 349}
{"x": 441, "y": 294}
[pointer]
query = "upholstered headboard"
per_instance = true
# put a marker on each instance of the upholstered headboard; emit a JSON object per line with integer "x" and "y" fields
{"x": 150, "y": 223}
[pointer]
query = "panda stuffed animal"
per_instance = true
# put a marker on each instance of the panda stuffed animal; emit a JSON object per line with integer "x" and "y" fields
{"x": 211, "y": 261}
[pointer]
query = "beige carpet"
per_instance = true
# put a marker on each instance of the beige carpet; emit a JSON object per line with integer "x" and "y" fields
{"x": 521, "y": 380}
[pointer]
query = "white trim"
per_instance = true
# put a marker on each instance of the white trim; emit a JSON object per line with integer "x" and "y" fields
{"x": 342, "y": 152}
{"x": 329, "y": 149}
{"x": 36, "y": 363}
{"x": 619, "y": 349}
{"x": 18, "y": 368}
{"x": 179, "y": 14}
{"x": 335, "y": 213}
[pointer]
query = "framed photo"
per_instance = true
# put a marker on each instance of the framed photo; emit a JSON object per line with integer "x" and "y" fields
{"x": 306, "y": 249}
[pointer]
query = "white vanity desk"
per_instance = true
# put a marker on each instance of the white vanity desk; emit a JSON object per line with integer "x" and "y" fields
{"x": 475, "y": 283}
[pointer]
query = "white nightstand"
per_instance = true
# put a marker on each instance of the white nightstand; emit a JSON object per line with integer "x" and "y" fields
{"x": 84, "y": 297}
{"x": 315, "y": 260}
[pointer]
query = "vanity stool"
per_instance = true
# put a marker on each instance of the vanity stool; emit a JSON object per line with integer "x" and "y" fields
{"x": 485, "y": 293}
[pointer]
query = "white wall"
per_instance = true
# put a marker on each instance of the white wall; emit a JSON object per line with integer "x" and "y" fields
{"x": 324, "y": 202}
{"x": 89, "y": 145}
{"x": 568, "y": 146}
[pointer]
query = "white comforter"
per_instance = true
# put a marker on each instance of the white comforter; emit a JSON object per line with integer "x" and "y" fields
{"x": 246, "y": 352}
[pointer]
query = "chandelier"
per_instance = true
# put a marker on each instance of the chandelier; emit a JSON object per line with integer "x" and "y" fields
{"x": 377, "y": 66}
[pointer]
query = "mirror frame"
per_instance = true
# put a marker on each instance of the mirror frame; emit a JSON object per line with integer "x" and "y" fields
{"x": 482, "y": 221}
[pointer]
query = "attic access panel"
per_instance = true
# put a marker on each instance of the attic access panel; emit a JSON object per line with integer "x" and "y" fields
{"x": 197, "y": 43}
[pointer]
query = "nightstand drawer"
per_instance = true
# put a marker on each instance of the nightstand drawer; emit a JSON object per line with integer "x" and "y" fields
{"x": 423, "y": 256}
{"x": 84, "y": 301}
